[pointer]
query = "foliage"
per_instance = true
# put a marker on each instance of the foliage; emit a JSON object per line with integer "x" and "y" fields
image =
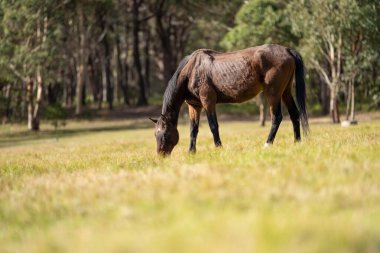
{"x": 341, "y": 35}
{"x": 22, "y": 48}
{"x": 85, "y": 48}
{"x": 56, "y": 114}
{"x": 212, "y": 22}
{"x": 261, "y": 22}
{"x": 338, "y": 40}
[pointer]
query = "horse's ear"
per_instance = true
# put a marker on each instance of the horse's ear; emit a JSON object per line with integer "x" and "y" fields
{"x": 154, "y": 120}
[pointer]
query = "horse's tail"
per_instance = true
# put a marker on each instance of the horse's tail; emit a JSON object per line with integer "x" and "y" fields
{"x": 300, "y": 89}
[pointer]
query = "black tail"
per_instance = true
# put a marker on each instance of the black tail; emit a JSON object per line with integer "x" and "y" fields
{"x": 300, "y": 90}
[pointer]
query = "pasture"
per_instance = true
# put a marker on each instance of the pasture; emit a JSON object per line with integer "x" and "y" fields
{"x": 98, "y": 186}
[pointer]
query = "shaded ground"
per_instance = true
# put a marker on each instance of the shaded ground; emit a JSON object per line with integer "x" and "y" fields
{"x": 128, "y": 118}
{"x": 16, "y": 135}
{"x": 242, "y": 112}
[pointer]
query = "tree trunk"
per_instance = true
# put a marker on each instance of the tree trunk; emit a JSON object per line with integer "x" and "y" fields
{"x": 348, "y": 99}
{"x": 65, "y": 95}
{"x": 29, "y": 95}
{"x": 136, "y": 55}
{"x": 104, "y": 80}
{"x": 352, "y": 116}
{"x": 334, "y": 109}
{"x": 92, "y": 78}
{"x": 324, "y": 98}
{"x": 107, "y": 72}
{"x": 97, "y": 67}
{"x": 68, "y": 72}
{"x": 123, "y": 49}
{"x": 71, "y": 87}
{"x": 81, "y": 60}
{"x": 107, "y": 65}
{"x": 8, "y": 99}
{"x": 116, "y": 73}
{"x": 147, "y": 58}
{"x": 23, "y": 98}
{"x": 79, "y": 89}
{"x": 38, "y": 104}
{"x": 70, "y": 83}
{"x": 121, "y": 58}
{"x": 84, "y": 90}
{"x": 168, "y": 61}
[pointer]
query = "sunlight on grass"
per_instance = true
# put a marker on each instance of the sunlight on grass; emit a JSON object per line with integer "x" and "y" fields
{"x": 107, "y": 191}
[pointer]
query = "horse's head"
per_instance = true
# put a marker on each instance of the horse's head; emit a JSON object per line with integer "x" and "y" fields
{"x": 166, "y": 135}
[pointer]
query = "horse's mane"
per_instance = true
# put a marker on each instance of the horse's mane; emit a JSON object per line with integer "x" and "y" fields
{"x": 184, "y": 69}
{"x": 171, "y": 89}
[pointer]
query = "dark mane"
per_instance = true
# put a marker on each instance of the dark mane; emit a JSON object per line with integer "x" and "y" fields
{"x": 171, "y": 90}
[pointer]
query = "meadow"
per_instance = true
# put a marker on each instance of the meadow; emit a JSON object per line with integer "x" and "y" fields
{"x": 98, "y": 186}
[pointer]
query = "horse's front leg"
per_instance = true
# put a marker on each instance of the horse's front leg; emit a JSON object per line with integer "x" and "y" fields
{"x": 194, "y": 115}
{"x": 208, "y": 100}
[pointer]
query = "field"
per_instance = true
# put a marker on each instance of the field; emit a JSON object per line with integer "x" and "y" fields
{"x": 98, "y": 186}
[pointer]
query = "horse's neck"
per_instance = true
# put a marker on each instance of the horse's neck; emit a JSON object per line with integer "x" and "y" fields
{"x": 172, "y": 104}
{"x": 171, "y": 112}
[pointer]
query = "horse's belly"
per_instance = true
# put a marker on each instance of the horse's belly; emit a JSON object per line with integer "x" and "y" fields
{"x": 237, "y": 92}
{"x": 235, "y": 81}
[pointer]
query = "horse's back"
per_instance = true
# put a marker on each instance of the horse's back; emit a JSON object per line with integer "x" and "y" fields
{"x": 272, "y": 56}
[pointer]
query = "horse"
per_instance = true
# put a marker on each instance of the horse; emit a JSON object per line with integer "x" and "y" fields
{"x": 208, "y": 77}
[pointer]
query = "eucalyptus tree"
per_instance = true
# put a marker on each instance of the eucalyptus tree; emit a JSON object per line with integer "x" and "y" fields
{"x": 28, "y": 48}
{"x": 335, "y": 40}
{"x": 260, "y": 22}
{"x": 362, "y": 51}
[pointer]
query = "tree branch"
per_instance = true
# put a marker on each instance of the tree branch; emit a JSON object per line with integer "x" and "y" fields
{"x": 322, "y": 72}
{"x": 16, "y": 72}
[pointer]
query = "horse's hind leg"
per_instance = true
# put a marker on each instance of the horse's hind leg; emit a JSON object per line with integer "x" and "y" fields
{"x": 213, "y": 123}
{"x": 288, "y": 100}
{"x": 208, "y": 99}
{"x": 194, "y": 115}
{"x": 276, "y": 115}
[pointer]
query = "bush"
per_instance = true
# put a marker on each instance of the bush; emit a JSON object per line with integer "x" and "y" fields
{"x": 56, "y": 114}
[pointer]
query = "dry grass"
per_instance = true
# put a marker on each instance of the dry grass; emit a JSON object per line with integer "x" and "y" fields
{"x": 99, "y": 187}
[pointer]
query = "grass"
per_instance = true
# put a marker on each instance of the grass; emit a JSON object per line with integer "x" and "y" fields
{"x": 99, "y": 187}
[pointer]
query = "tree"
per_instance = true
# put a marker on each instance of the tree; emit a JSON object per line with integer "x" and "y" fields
{"x": 361, "y": 47}
{"x": 26, "y": 28}
{"x": 332, "y": 35}
{"x": 259, "y": 22}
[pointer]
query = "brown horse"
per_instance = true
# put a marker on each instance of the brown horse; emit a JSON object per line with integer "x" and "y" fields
{"x": 206, "y": 78}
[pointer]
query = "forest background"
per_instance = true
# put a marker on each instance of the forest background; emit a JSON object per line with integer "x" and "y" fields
{"x": 68, "y": 58}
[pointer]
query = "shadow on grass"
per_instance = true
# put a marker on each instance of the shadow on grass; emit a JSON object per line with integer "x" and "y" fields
{"x": 25, "y": 136}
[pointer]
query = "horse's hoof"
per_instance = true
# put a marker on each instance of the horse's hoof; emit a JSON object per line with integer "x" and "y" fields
{"x": 267, "y": 145}
{"x": 218, "y": 145}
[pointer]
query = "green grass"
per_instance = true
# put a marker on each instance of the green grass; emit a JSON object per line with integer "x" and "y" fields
{"x": 99, "y": 187}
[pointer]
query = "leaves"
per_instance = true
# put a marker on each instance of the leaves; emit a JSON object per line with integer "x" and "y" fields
{"x": 259, "y": 22}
